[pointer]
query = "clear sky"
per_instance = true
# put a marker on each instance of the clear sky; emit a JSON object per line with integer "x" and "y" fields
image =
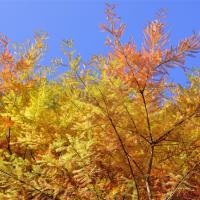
{"x": 80, "y": 19}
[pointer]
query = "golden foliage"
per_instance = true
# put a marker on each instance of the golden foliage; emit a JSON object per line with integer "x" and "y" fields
{"x": 101, "y": 131}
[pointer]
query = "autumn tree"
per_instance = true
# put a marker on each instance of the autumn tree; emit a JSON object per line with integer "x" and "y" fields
{"x": 110, "y": 128}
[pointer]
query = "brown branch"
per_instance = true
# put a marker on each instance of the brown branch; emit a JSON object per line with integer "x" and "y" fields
{"x": 141, "y": 91}
{"x": 176, "y": 125}
{"x": 181, "y": 181}
{"x": 121, "y": 143}
{"x": 8, "y": 141}
{"x": 133, "y": 122}
{"x": 115, "y": 129}
{"x": 148, "y": 178}
{"x": 147, "y": 115}
{"x": 126, "y": 154}
{"x": 131, "y": 118}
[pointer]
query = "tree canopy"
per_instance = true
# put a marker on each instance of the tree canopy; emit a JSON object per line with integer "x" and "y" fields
{"x": 110, "y": 128}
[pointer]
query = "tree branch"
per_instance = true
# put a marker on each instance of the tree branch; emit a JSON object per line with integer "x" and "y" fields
{"x": 181, "y": 181}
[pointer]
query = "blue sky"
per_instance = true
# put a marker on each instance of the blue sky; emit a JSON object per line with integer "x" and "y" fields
{"x": 80, "y": 19}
